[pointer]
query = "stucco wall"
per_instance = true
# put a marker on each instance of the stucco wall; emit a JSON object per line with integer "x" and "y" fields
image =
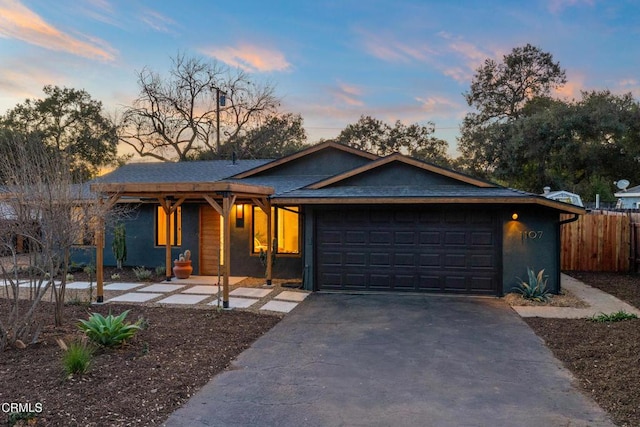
{"x": 530, "y": 241}
{"x": 141, "y": 249}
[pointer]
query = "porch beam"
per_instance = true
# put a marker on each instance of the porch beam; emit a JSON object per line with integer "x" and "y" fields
{"x": 215, "y": 205}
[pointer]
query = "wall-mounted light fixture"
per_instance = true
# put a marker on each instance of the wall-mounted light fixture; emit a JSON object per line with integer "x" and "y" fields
{"x": 514, "y": 216}
{"x": 239, "y": 215}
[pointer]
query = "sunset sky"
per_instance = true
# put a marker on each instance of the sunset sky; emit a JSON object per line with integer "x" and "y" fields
{"x": 331, "y": 61}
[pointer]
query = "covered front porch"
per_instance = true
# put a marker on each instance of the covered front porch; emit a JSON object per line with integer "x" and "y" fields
{"x": 221, "y": 196}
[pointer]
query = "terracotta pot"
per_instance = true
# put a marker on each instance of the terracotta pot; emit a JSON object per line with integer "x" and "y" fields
{"x": 182, "y": 269}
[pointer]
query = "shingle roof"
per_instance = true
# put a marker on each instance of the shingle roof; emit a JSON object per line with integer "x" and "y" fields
{"x": 448, "y": 191}
{"x": 284, "y": 184}
{"x": 162, "y": 172}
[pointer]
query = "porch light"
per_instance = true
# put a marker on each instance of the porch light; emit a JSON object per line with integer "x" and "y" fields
{"x": 239, "y": 215}
{"x": 514, "y": 216}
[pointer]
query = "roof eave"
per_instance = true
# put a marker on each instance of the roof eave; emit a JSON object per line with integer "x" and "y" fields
{"x": 562, "y": 207}
{"x": 183, "y": 189}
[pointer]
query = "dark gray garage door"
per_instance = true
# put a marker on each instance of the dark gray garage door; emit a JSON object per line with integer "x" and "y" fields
{"x": 407, "y": 249}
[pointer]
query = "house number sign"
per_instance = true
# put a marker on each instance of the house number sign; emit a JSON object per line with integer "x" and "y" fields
{"x": 532, "y": 234}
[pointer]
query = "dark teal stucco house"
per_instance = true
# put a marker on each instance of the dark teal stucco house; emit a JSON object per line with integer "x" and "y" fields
{"x": 340, "y": 219}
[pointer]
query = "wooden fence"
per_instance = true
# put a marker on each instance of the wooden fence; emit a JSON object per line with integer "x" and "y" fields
{"x": 601, "y": 241}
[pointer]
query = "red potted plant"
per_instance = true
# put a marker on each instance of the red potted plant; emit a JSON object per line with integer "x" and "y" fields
{"x": 182, "y": 266}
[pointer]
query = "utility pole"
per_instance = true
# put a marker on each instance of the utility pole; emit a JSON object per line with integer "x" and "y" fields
{"x": 221, "y": 100}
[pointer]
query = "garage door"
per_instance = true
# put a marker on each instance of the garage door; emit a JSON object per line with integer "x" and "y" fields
{"x": 407, "y": 249}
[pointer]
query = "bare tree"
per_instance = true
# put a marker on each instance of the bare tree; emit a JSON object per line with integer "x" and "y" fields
{"x": 179, "y": 116}
{"x": 46, "y": 213}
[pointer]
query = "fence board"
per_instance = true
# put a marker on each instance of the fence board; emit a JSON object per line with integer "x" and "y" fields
{"x": 598, "y": 241}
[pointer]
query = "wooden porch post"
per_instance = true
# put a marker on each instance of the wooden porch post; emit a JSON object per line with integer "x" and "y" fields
{"x": 100, "y": 259}
{"x": 102, "y": 212}
{"x": 227, "y": 203}
{"x": 269, "y": 243}
{"x": 265, "y": 206}
{"x": 168, "y": 211}
{"x": 228, "y": 200}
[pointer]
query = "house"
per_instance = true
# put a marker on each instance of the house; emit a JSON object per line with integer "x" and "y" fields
{"x": 563, "y": 196}
{"x": 628, "y": 198}
{"x": 340, "y": 218}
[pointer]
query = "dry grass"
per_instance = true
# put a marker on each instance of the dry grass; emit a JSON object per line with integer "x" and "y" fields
{"x": 564, "y": 299}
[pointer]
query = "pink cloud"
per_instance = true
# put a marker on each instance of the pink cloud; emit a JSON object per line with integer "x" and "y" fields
{"x": 157, "y": 21}
{"x": 250, "y": 58}
{"x": 387, "y": 48}
{"x": 348, "y": 94}
{"x": 572, "y": 89}
{"x": 556, "y": 6}
{"x": 19, "y": 22}
{"x": 438, "y": 104}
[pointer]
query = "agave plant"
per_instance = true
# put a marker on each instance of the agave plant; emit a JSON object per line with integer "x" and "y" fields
{"x": 536, "y": 289}
{"x": 110, "y": 330}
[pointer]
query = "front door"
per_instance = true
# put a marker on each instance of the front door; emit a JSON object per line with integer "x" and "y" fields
{"x": 209, "y": 241}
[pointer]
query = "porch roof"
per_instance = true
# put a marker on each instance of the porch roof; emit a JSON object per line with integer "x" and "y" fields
{"x": 187, "y": 190}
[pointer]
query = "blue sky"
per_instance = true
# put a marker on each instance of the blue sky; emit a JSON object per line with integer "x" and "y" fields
{"x": 331, "y": 61}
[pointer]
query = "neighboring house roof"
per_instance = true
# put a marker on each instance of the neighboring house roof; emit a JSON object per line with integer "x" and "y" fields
{"x": 564, "y": 196}
{"x": 629, "y": 192}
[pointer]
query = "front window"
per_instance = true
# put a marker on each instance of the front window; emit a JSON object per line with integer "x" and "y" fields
{"x": 285, "y": 229}
{"x": 175, "y": 227}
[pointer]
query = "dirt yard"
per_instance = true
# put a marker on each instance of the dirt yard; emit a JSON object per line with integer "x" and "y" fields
{"x": 604, "y": 357}
{"x": 141, "y": 383}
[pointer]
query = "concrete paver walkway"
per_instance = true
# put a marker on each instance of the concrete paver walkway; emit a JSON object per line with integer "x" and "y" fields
{"x": 203, "y": 290}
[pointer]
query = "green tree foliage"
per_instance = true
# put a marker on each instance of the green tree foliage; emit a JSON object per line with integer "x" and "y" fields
{"x": 499, "y": 91}
{"x": 376, "y": 136}
{"x": 279, "y": 136}
{"x": 70, "y": 122}
{"x": 175, "y": 116}
{"x": 582, "y": 146}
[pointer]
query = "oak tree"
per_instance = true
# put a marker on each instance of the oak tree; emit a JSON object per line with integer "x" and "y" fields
{"x": 194, "y": 110}
{"x": 68, "y": 121}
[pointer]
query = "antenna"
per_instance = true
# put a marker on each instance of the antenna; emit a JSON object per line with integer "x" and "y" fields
{"x": 622, "y": 184}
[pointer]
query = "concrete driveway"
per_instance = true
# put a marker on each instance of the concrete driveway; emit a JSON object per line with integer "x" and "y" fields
{"x": 402, "y": 360}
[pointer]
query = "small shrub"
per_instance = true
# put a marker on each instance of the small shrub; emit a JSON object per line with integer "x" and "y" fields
{"x": 618, "y": 316}
{"x": 90, "y": 270}
{"x": 77, "y": 357}
{"x": 109, "y": 331}
{"x": 24, "y": 418}
{"x": 536, "y": 289}
{"x": 161, "y": 270}
{"x": 77, "y": 301}
{"x": 115, "y": 276}
{"x": 69, "y": 277}
{"x": 142, "y": 273}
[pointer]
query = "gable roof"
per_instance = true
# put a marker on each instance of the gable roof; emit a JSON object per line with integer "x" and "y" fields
{"x": 457, "y": 188}
{"x": 306, "y": 152}
{"x": 400, "y": 158}
{"x": 359, "y": 177}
